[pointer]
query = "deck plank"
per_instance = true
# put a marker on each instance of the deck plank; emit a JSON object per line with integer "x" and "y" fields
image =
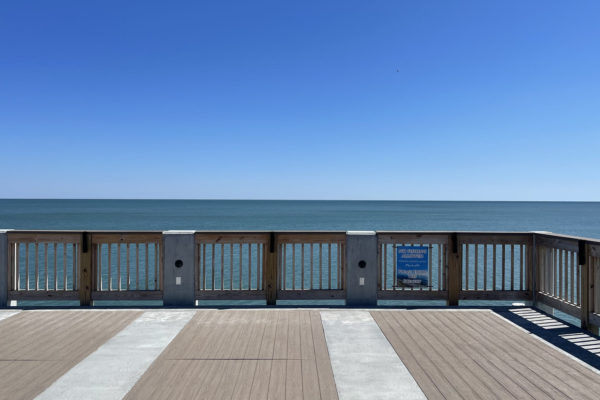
{"x": 293, "y": 380}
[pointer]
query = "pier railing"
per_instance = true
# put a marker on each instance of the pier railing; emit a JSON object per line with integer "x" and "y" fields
{"x": 388, "y": 287}
{"x": 43, "y": 265}
{"x": 310, "y": 265}
{"x": 230, "y": 265}
{"x": 562, "y": 272}
{"x": 495, "y": 266}
{"x": 126, "y": 266}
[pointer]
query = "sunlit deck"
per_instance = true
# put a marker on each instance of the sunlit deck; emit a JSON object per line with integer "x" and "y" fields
{"x": 294, "y": 354}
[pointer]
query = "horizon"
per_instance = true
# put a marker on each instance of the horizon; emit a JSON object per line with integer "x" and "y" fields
{"x": 486, "y": 101}
{"x": 310, "y": 200}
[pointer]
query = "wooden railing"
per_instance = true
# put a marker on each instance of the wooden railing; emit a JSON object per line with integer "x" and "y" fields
{"x": 562, "y": 272}
{"x": 85, "y": 266}
{"x": 388, "y": 286}
{"x": 495, "y": 266}
{"x": 126, "y": 266}
{"x": 568, "y": 276}
{"x": 311, "y": 265}
{"x": 230, "y": 265}
{"x": 43, "y": 265}
{"x": 559, "y": 273}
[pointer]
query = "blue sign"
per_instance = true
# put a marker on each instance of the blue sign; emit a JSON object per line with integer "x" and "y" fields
{"x": 412, "y": 266}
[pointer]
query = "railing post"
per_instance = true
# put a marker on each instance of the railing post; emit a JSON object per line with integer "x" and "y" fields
{"x": 270, "y": 273}
{"x": 594, "y": 291}
{"x": 179, "y": 268}
{"x": 532, "y": 270}
{"x": 454, "y": 272}
{"x": 585, "y": 284}
{"x": 4, "y": 268}
{"x": 85, "y": 270}
{"x": 361, "y": 268}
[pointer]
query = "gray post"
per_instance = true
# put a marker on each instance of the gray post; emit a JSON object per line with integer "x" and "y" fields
{"x": 3, "y": 268}
{"x": 361, "y": 268}
{"x": 179, "y": 269}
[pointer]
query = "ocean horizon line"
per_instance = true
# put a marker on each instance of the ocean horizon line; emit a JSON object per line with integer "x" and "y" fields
{"x": 296, "y": 200}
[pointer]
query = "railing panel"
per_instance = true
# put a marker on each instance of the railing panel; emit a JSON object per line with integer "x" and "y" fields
{"x": 495, "y": 263}
{"x": 43, "y": 265}
{"x": 311, "y": 262}
{"x": 126, "y": 265}
{"x": 230, "y": 265}
{"x": 388, "y": 285}
{"x": 559, "y": 274}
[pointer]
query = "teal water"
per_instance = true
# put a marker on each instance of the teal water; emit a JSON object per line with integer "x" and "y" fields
{"x": 574, "y": 218}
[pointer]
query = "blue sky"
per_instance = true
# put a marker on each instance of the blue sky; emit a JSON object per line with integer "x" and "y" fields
{"x": 399, "y": 100}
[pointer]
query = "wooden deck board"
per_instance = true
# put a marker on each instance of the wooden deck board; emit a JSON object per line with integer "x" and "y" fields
{"x": 243, "y": 354}
{"x": 511, "y": 379}
{"x": 39, "y": 347}
{"x": 574, "y": 380}
{"x": 476, "y": 354}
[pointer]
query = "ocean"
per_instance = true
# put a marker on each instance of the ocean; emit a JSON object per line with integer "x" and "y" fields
{"x": 572, "y": 218}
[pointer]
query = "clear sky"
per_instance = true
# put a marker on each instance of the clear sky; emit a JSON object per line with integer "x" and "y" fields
{"x": 399, "y": 100}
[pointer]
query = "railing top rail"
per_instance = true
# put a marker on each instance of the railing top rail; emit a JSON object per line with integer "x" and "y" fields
{"x": 314, "y": 236}
{"x": 231, "y": 237}
{"x": 48, "y": 236}
{"x": 130, "y": 237}
{"x": 79, "y": 231}
{"x": 553, "y": 235}
{"x": 543, "y": 234}
{"x": 457, "y": 232}
{"x": 250, "y": 231}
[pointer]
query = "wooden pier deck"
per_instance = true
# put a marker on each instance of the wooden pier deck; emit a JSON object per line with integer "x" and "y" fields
{"x": 278, "y": 354}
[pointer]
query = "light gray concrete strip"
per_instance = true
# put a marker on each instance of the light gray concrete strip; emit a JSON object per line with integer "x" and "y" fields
{"x": 365, "y": 365}
{"x": 112, "y": 370}
{"x": 8, "y": 313}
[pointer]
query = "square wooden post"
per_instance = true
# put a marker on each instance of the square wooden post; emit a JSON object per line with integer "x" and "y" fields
{"x": 454, "y": 269}
{"x": 532, "y": 268}
{"x": 584, "y": 265}
{"x": 270, "y": 271}
{"x": 85, "y": 270}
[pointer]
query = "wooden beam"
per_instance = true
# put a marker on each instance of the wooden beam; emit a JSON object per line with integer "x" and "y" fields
{"x": 412, "y": 295}
{"x": 85, "y": 270}
{"x": 270, "y": 270}
{"x": 585, "y": 284}
{"x": 316, "y": 294}
{"x": 454, "y": 269}
{"x": 508, "y": 295}
{"x": 559, "y": 304}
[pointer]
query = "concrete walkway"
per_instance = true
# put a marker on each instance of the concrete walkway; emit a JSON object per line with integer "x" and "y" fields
{"x": 365, "y": 365}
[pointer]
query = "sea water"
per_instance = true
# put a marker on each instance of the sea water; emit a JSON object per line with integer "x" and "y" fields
{"x": 572, "y": 218}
